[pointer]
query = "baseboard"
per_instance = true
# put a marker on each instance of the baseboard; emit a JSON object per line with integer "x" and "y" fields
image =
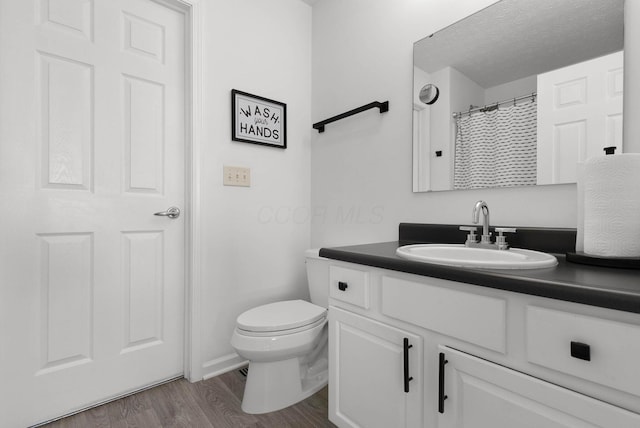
{"x": 222, "y": 365}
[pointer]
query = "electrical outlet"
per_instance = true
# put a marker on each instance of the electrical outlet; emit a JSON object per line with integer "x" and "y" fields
{"x": 236, "y": 176}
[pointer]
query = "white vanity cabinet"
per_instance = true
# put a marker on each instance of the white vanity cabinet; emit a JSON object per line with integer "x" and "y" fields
{"x": 501, "y": 359}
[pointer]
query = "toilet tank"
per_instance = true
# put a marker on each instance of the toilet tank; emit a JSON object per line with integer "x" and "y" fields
{"x": 317, "y": 277}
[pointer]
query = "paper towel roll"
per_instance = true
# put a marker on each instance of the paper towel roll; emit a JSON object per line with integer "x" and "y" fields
{"x": 612, "y": 205}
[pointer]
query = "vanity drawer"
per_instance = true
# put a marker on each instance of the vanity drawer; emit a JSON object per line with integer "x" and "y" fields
{"x": 476, "y": 319}
{"x": 604, "y": 351}
{"x": 349, "y": 285}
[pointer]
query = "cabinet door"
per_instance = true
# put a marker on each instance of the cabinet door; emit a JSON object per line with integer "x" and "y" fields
{"x": 481, "y": 394}
{"x": 375, "y": 373}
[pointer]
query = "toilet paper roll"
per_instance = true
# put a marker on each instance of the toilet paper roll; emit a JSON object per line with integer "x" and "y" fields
{"x": 612, "y": 206}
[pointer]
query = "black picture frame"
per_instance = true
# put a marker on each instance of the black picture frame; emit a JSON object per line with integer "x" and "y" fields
{"x": 258, "y": 120}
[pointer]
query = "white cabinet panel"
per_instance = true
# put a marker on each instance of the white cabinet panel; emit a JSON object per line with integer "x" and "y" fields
{"x": 481, "y": 394}
{"x": 367, "y": 377}
{"x": 476, "y": 319}
{"x": 614, "y": 347}
{"x": 349, "y": 285}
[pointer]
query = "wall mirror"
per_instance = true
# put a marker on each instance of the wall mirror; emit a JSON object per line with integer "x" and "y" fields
{"x": 525, "y": 89}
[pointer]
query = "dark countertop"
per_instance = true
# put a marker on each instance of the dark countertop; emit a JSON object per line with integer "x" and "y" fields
{"x": 612, "y": 288}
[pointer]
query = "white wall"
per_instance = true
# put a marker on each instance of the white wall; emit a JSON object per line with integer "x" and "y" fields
{"x": 253, "y": 239}
{"x": 464, "y": 92}
{"x": 524, "y": 86}
{"x": 362, "y": 51}
{"x": 457, "y": 92}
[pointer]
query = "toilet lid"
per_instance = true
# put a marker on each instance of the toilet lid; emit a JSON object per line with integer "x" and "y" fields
{"x": 277, "y": 316}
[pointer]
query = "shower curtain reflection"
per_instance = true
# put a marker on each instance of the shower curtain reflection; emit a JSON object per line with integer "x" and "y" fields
{"x": 496, "y": 148}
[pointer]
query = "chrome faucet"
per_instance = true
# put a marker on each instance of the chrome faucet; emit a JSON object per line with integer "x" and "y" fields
{"x": 482, "y": 206}
{"x": 485, "y": 239}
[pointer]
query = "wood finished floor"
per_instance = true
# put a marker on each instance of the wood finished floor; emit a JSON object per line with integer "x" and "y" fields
{"x": 211, "y": 403}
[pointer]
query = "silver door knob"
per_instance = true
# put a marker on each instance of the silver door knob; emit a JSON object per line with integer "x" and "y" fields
{"x": 172, "y": 212}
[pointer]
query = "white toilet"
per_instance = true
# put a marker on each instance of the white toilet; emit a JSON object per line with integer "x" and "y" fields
{"x": 286, "y": 345}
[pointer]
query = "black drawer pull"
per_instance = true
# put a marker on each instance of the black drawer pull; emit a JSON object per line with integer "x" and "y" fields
{"x": 342, "y": 286}
{"x": 581, "y": 351}
{"x": 407, "y": 378}
{"x": 441, "y": 395}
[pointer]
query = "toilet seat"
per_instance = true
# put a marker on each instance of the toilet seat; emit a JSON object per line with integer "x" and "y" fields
{"x": 286, "y": 317}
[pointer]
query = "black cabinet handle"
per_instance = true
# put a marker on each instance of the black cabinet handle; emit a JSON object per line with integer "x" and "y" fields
{"x": 407, "y": 378}
{"x": 441, "y": 396}
{"x": 342, "y": 285}
{"x": 581, "y": 351}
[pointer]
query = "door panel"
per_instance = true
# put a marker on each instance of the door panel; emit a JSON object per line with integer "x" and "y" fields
{"x": 144, "y": 135}
{"x": 66, "y": 122}
{"x": 91, "y": 146}
{"x": 66, "y": 309}
{"x": 143, "y": 284}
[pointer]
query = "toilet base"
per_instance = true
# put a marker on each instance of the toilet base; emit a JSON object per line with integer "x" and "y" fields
{"x": 275, "y": 385}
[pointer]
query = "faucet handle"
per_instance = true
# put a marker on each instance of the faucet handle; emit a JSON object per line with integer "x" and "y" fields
{"x": 471, "y": 237}
{"x": 501, "y": 240}
{"x": 502, "y": 230}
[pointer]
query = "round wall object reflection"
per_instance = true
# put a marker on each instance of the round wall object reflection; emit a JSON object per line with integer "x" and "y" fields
{"x": 429, "y": 94}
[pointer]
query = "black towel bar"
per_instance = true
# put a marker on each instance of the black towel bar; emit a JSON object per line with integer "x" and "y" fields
{"x": 383, "y": 106}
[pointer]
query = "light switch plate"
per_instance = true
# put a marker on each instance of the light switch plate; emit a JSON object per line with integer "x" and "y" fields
{"x": 236, "y": 176}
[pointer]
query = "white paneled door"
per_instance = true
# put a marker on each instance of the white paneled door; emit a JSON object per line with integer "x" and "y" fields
{"x": 579, "y": 114}
{"x": 92, "y": 144}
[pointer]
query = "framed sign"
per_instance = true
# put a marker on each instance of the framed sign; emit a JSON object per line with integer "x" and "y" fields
{"x": 258, "y": 120}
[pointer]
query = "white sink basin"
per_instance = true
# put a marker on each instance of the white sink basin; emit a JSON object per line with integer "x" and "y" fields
{"x": 461, "y": 256}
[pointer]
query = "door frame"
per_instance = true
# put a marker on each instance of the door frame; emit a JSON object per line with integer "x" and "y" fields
{"x": 193, "y": 12}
